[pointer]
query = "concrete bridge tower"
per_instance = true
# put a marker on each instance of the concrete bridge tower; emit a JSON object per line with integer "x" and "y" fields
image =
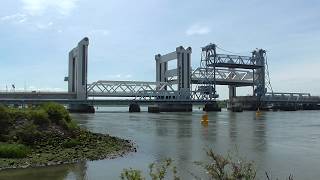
{"x": 78, "y": 75}
{"x": 180, "y": 76}
{"x": 260, "y": 81}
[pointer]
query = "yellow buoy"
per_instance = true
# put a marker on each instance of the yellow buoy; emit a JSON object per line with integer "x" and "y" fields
{"x": 205, "y": 118}
{"x": 258, "y": 112}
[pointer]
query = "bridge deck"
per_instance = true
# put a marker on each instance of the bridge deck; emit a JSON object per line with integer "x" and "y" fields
{"x": 37, "y": 95}
{"x": 104, "y": 102}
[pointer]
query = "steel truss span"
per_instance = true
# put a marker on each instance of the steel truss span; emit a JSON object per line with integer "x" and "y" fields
{"x": 222, "y": 76}
{"x": 136, "y": 89}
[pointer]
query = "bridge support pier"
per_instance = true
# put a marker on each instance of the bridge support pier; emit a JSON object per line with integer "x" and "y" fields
{"x": 134, "y": 107}
{"x": 153, "y": 109}
{"x": 310, "y": 107}
{"x": 81, "y": 108}
{"x": 211, "y": 107}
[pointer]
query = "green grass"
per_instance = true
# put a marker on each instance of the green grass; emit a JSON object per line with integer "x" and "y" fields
{"x": 13, "y": 151}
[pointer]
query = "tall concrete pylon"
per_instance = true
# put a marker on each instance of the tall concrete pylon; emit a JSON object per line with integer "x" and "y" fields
{"x": 78, "y": 75}
{"x": 182, "y": 72}
{"x": 78, "y": 69}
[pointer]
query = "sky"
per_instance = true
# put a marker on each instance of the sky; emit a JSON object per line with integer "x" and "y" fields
{"x": 36, "y": 36}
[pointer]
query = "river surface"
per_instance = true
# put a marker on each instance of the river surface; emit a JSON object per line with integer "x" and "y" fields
{"x": 281, "y": 143}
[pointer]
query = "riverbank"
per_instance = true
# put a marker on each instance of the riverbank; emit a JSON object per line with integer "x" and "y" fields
{"x": 46, "y": 135}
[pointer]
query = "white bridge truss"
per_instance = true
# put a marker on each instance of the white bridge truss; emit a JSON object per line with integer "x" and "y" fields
{"x": 223, "y": 76}
{"x": 141, "y": 90}
{"x": 135, "y": 89}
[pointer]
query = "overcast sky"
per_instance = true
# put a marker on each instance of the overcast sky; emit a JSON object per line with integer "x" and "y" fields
{"x": 36, "y": 36}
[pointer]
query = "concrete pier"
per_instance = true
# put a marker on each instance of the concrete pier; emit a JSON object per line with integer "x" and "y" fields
{"x": 81, "y": 108}
{"x": 175, "y": 107}
{"x": 153, "y": 109}
{"x": 310, "y": 107}
{"x": 211, "y": 107}
{"x": 134, "y": 107}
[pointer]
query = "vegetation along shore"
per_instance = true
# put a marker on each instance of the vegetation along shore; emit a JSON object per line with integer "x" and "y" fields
{"x": 47, "y": 135}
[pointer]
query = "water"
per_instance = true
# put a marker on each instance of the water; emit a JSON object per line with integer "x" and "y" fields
{"x": 281, "y": 143}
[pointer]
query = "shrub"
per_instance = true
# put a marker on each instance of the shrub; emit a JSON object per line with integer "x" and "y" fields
{"x": 5, "y": 119}
{"x": 13, "y": 151}
{"x": 221, "y": 168}
{"x": 28, "y": 134}
{"x": 160, "y": 170}
{"x": 57, "y": 113}
{"x": 157, "y": 171}
{"x": 40, "y": 118}
{"x": 72, "y": 125}
{"x": 17, "y": 114}
{"x": 71, "y": 143}
{"x": 131, "y": 174}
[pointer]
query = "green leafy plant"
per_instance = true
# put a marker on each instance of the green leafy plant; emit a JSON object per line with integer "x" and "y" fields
{"x": 29, "y": 134}
{"x": 225, "y": 168}
{"x": 40, "y": 118}
{"x": 13, "y": 151}
{"x": 57, "y": 113}
{"x": 157, "y": 171}
{"x": 5, "y": 119}
{"x": 131, "y": 174}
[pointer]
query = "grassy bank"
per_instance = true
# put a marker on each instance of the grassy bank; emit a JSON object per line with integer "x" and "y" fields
{"x": 46, "y": 135}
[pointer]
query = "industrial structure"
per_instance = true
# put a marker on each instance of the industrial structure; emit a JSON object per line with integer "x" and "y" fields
{"x": 174, "y": 89}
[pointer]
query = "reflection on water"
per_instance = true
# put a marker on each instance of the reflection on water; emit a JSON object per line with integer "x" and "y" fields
{"x": 69, "y": 171}
{"x": 282, "y": 143}
{"x": 260, "y": 131}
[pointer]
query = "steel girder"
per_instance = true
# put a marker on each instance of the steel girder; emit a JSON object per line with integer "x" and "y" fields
{"x": 136, "y": 89}
{"x": 233, "y": 61}
{"x": 223, "y": 76}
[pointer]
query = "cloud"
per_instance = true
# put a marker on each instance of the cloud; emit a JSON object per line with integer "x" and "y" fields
{"x": 44, "y": 26}
{"x": 102, "y": 32}
{"x": 198, "y": 29}
{"x": 15, "y": 18}
{"x": 39, "y": 7}
{"x": 120, "y": 76}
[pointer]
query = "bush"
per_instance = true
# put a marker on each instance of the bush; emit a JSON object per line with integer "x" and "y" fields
{"x": 13, "y": 151}
{"x": 29, "y": 134}
{"x": 221, "y": 167}
{"x": 5, "y": 119}
{"x": 157, "y": 171}
{"x": 40, "y": 118}
{"x": 57, "y": 113}
{"x": 71, "y": 143}
{"x": 131, "y": 174}
{"x": 18, "y": 114}
{"x": 72, "y": 125}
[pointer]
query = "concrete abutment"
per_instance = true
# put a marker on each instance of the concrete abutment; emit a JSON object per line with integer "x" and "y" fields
{"x": 134, "y": 107}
